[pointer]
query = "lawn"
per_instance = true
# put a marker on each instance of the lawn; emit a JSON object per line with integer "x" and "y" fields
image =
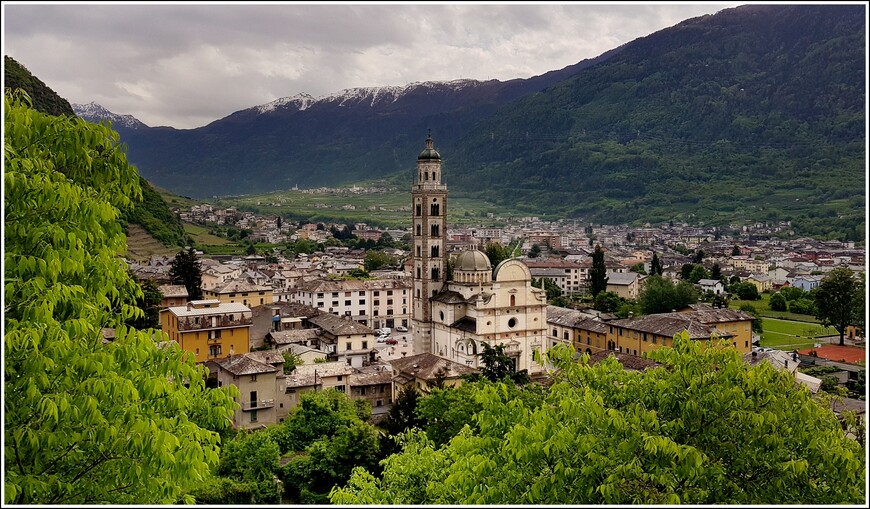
{"x": 763, "y": 308}
{"x": 201, "y": 236}
{"x": 791, "y": 335}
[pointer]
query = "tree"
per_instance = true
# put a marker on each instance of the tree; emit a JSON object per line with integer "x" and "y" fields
{"x": 756, "y": 323}
{"x": 549, "y": 286}
{"x": 838, "y": 301}
{"x": 403, "y": 413}
{"x": 638, "y": 268}
{"x": 496, "y": 253}
{"x": 686, "y": 271}
{"x": 607, "y": 302}
{"x": 716, "y": 272}
{"x": 697, "y": 431}
{"x": 747, "y": 291}
{"x": 656, "y": 266}
{"x": 777, "y": 302}
{"x": 535, "y": 251}
{"x": 597, "y": 273}
{"x": 318, "y": 414}
{"x": 88, "y": 422}
{"x": 374, "y": 260}
{"x": 698, "y": 273}
{"x": 497, "y": 366}
{"x": 291, "y": 360}
{"x": 660, "y": 295}
{"x": 699, "y": 256}
{"x": 149, "y": 303}
{"x": 735, "y": 251}
{"x": 792, "y": 292}
{"x": 185, "y": 270}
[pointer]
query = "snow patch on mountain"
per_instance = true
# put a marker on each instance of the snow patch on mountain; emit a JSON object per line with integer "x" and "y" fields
{"x": 371, "y": 95}
{"x": 93, "y": 112}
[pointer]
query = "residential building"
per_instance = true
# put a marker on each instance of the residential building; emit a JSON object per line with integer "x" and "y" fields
{"x": 257, "y": 382}
{"x": 173, "y": 295}
{"x": 425, "y": 371}
{"x": 374, "y": 303}
{"x": 711, "y": 285}
{"x": 626, "y": 284}
{"x": 208, "y": 329}
{"x": 240, "y": 290}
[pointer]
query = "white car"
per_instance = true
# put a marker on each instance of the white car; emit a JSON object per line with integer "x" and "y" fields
{"x": 402, "y": 329}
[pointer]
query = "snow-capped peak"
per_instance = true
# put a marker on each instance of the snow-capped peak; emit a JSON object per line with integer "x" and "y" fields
{"x": 372, "y": 95}
{"x": 93, "y": 112}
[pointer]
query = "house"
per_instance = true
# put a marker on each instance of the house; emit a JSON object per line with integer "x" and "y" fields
{"x": 240, "y": 290}
{"x": 257, "y": 382}
{"x": 711, "y": 285}
{"x": 761, "y": 281}
{"x": 208, "y": 329}
{"x": 373, "y": 384}
{"x": 806, "y": 283}
{"x": 625, "y": 284}
{"x": 313, "y": 377}
{"x": 424, "y": 371}
{"x": 629, "y": 362}
{"x": 345, "y": 339}
{"x": 173, "y": 295}
{"x": 591, "y": 335}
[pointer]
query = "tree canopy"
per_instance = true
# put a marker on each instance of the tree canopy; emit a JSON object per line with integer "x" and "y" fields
{"x": 86, "y": 421}
{"x": 598, "y": 273}
{"x": 185, "y": 270}
{"x": 839, "y": 300}
{"x": 705, "y": 428}
{"x": 660, "y": 295}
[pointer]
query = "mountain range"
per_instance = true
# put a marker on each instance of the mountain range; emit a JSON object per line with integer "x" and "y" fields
{"x": 756, "y": 112}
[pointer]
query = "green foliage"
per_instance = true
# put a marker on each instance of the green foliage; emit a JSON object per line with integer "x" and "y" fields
{"x": 691, "y": 433}
{"x": 660, "y": 295}
{"x": 319, "y": 414}
{"x": 802, "y": 307}
{"x": 639, "y": 268}
{"x": 746, "y": 291}
{"x": 716, "y": 272}
{"x": 496, "y": 253}
{"x": 43, "y": 98}
{"x": 185, "y": 270}
{"x": 607, "y": 302}
{"x": 549, "y": 286}
{"x": 839, "y": 300}
{"x": 791, "y": 293}
{"x": 403, "y": 413}
{"x": 154, "y": 216}
{"x": 291, "y": 360}
{"x": 149, "y": 303}
{"x": 497, "y": 366}
{"x": 535, "y": 251}
{"x": 756, "y": 323}
{"x": 375, "y": 260}
{"x": 698, "y": 273}
{"x": 250, "y": 456}
{"x": 777, "y": 302}
{"x": 598, "y": 273}
{"x": 655, "y": 266}
{"x": 87, "y": 422}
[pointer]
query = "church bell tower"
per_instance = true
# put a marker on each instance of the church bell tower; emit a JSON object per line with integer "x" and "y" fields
{"x": 429, "y": 209}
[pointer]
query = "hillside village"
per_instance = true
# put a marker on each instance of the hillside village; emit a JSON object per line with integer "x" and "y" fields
{"x": 265, "y": 305}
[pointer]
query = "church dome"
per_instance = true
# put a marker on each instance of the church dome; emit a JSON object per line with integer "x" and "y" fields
{"x": 429, "y": 153}
{"x": 473, "y": 260}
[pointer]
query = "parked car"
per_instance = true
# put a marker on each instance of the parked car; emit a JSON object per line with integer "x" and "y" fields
{"x": 392, "y": 341}
{"x": 386, "y": 330}
{"x": 381, "y": 339}
{"x": 401, "y": 328}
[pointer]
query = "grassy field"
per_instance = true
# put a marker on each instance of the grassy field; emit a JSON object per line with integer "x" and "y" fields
{"x": 201, "y": 236}
{"x": 763, "y": 307}
{"x": 389, "y": 208}
{"x": 791, "y": 335}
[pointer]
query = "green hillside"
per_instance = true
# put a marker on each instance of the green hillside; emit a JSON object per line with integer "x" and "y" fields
{"x": 753, "y": 113}
{"x": 151, "y": 213}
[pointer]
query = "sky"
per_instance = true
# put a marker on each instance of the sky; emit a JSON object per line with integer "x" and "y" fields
{"x": 187, "y": 64}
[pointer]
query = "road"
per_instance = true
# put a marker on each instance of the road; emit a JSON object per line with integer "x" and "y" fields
{"x": 404, "y": 348}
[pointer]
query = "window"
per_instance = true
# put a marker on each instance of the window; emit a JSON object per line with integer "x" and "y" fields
{"x": 347, "y": 303}
{"x": 320, "y": 304}
{"x": 435, "y": 230}
{"x": 389, "y": 292}
{"x": 319, "y": 295}
{"x": 419, "y": 229}
{"x": 419, "y": 209}
{"x": 334, "y": 294}
{"x": 365, "y": 344}
{"x": 377, "y": 294}
{"x": 339, "y": 378}
{"x": 335, "y": 303}
{"x": 253, "y": 378}
{"x": 435, "y": 273}
{"x": 565, "y": 336}
{"x": 555, "y": 333}
{"x": 746, "y": 344}
{"x": 214, "y": 334}
{"x": 389, "y": 302}
{"x": 254, "y": 416}
{"x": 377, "y": 302}
{"x": 434, "y": 209}
{"x": 214, "y": 350}
{"x": 339, "y": 388}
{"x": 513, "y": 300}
{"x": 419, "y": 250}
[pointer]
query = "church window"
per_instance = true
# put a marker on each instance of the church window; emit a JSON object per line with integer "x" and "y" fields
{"x": 419, "y": 229}
{"x": 426, "y": 175}
{"x": 435, "y": 273}
{"x": 435, "y": 230}
{"x": 512, "y": 323}
{"x": 418, "y": 274}
{"x": 435, "y": 251}
{"x": 435, "y": 209}
{"x": 433, "y": 175}
{"x": 419, "y": 209}
{"x": 441, "y": 315}
{"x": 419, "y": 250}
{"x": 513, "y": 300}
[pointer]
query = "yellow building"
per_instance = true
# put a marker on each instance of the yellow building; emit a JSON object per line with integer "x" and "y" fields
{"x": 209, "y": 329}
{"x": 643, "y": 334}
{"x": 591, "y": 336}
{"x": 242, "y": 292}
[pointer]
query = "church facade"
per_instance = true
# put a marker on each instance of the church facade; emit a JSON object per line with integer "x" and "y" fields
{"x": 453, "y": 317}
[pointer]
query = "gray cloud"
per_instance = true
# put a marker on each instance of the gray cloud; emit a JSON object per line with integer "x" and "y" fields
{"x": 189, "y": 64}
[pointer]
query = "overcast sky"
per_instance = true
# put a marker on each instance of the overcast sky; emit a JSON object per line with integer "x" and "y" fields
{"x": 185, "y": 65}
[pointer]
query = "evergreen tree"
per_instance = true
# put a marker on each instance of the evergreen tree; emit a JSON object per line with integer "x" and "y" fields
{"x": 185, "y": 270}
{"x": 598, "y": 273}
{"x": 716, "y": 272}
{"x": 655, "y": 266}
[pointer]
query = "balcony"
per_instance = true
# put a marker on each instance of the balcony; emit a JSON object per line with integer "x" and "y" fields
{"x": 257, "y": 405}
{"x": 205, "y": 324}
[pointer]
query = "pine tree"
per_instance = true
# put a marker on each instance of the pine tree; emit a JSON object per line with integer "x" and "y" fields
{"x": 185, "y": 271}
{"x": 655, "y": 266}
{"x": 598, "y": 272}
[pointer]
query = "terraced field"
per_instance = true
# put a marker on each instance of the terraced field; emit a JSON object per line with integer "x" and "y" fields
{"x": 141, "y": 245}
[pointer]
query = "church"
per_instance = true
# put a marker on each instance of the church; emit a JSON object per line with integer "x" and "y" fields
{"x": 454, "y": 313}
